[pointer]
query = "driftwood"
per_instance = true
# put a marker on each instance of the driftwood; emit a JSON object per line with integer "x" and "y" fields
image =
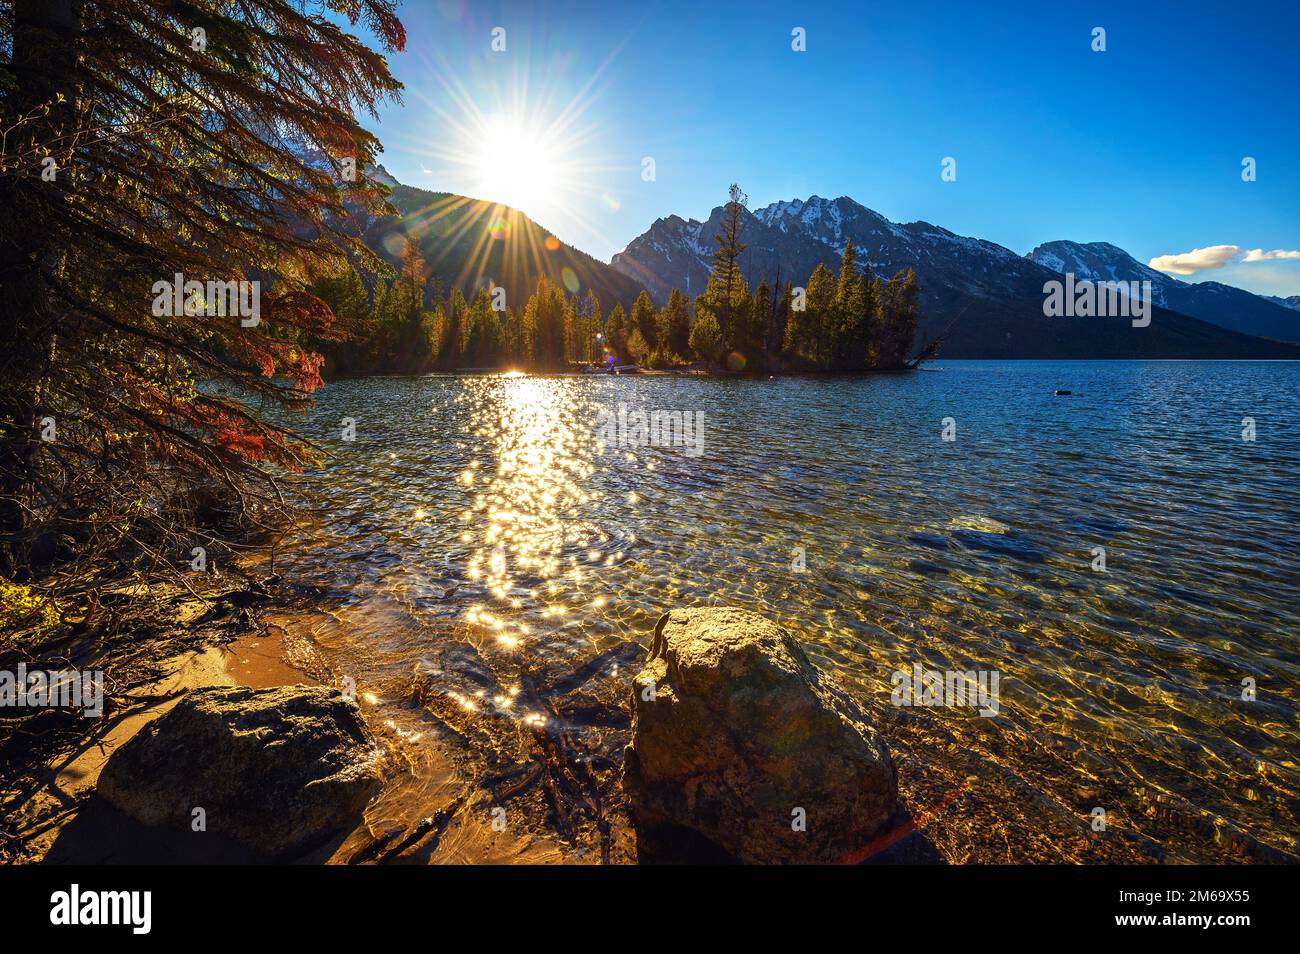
{"x": 379, "y": 851}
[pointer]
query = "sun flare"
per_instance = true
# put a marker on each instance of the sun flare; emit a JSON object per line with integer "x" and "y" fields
{"x": 526, "y": 145}
{"x": 518, "y": 166}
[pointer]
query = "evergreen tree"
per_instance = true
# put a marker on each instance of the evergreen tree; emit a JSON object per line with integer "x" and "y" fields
{"x": 346, "y": 296}
{"x": 762, "y": 320}
{"x": 638, "y": 348}
{"x": 383, "y": 321}
{"x": 868, "y": 328}
{"x": 438, "y": 336}
{"x": 457, "y": 329}
{"x": 572, "y": 330}
{"x": 593, "y": 324}
{"x": 528, "y": 332}
{"x": 726, "y": 298}
{"x": 412, "y": 344}
{"x": 899, "y": 320}
{"x": 675, "y": 325}
{"x": 171, "y": 159}
{"x": 616, "y": 333}
{"x": 511, "y": 340}
{"x": 820, "y": 314}
{"x": 849, "y": 323}
{"x": 722, "y": 293}
{"x": 784, "y": 333}
{"x": 343, "y": 344}
{"x": 643, "y": 320}
{"x": 706, "y": 339}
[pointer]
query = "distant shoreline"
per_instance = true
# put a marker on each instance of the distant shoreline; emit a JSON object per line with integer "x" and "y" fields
{"x": 769, "y": 375}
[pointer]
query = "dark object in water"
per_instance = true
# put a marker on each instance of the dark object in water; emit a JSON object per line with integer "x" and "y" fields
{"x": 1061, "y": 391}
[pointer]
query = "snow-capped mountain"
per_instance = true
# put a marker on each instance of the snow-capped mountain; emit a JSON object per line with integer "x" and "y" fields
{"x": 796, "y": 236}
{"x": 1215, "y": 302}
{"x": 986, "y": 297}
{"x": 1101, "y": 262}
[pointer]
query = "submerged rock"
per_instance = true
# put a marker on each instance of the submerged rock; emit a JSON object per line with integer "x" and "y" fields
{"x": 736, "y": 736}
{"x": 276, "y": 770}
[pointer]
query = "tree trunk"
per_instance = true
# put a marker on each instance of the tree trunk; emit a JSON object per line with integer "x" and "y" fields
{"x": 43, "y": 65}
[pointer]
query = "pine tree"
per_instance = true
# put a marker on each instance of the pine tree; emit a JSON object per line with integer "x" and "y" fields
{"x": 762, "y": 320}
{"x": 528, "y": 332}
{"x": 383, "y": 320}
{"x": 637, "y": 347}
{"x": 616, "y": 333}
{"x": 675, "y": 325}
{"x": 643, "y": 319}
{"x": 726, "y": 297}
{"x": 438, "y": 336}
{"x": 457, "y": 329}
{"x": 547, "y": 322}
{"x": 706, "y": 340}
{"x": 593, "y": 324}
{"x": 821, "y": 314}
{"x": 783, "y": 330}
{"x": 511, "y": 339}
{"x": 175, "y": 154}
{"x": 572, "y": 330}
{"x": 899, "y": 320}
{"x": 412, "y": 347}
{"x": 869, "y": 321}
{"x": 725, "y": 276}
{"x": 343, "y": 343}
{"x": 850, "y": 322}
{"x": 848, "y": 274}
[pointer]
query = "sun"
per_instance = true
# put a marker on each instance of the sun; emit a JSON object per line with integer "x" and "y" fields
{"x": 518, "y": 166}
{"x": 538, "y": 142}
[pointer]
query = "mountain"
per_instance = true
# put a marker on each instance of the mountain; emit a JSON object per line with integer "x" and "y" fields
{"x": 988, "y": 298}
{"x": 1219, "y": 304}
{"x": 1292, "y": 302}
{"x": 471, "y": 243}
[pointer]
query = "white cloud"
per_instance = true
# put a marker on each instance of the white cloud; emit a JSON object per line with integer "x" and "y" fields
{"x": 1187, "y": 263}
{"x": 1259, "y": 255}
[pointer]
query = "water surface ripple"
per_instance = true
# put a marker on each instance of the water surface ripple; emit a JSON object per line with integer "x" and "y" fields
{"x": 483, "y": 514}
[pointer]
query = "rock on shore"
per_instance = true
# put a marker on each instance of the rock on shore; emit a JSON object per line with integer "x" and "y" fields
{"x": 734, "y": 731}
{"x": 276, "y": 770}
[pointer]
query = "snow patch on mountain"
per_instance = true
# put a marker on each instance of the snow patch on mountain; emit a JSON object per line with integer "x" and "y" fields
{"x": 1102, "y": 262}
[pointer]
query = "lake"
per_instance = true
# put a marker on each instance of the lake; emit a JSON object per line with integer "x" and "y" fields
{"x": 492, "y": 565}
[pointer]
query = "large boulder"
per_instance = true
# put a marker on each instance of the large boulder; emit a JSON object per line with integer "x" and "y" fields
{"x": 277, "y": 770}
{"x": 734, "y": 730}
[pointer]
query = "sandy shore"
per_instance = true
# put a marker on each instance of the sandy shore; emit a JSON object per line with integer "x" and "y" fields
{"x": 60, "y": 820}
{"x": 958, "y": 808}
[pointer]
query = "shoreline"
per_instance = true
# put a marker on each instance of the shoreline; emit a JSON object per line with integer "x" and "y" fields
{"x": 61, "y": 820}
{"x": 954, "y": 808}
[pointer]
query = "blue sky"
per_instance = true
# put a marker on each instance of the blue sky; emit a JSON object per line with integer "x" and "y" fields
{"x": 1141, "y": 145}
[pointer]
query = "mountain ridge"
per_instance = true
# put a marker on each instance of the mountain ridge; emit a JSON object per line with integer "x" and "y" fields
{"x": 470, "y": 243}
{"x": 1224, "y": 305}
{"x": 988, "y": 298}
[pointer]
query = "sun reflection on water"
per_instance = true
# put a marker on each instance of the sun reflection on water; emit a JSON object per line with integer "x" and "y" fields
{"x": 526, "y": 515}
{"x": 520, "y": 556}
